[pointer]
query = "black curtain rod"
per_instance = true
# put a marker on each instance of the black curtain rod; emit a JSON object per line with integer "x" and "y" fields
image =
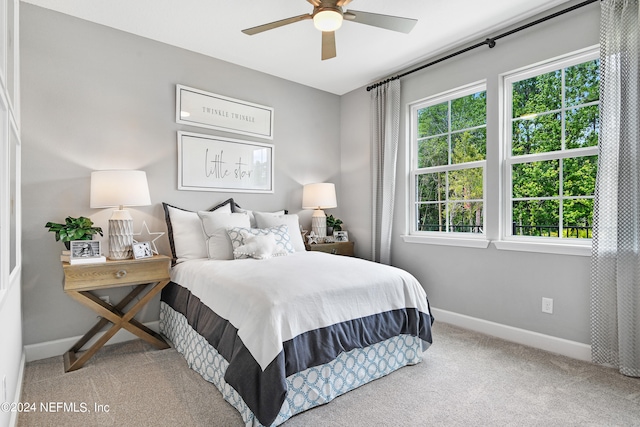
{"x": 491, "y": 42}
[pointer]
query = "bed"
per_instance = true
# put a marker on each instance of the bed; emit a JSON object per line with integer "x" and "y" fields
{"x": 277, "y": 329}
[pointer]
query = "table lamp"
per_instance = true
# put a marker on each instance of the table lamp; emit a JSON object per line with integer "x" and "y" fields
{"x": 119, "y": 188}
{"x": 319, "y": 196}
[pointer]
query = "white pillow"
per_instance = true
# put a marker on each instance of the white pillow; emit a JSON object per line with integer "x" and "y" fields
{"x": 266, "y": 219}
{"x": 280, "y": 233}
{"x": 185, "y": 227}
{"x": 251, "y": 214}
{"x": 215, "y": 226}
{"x": 258, "y": 247}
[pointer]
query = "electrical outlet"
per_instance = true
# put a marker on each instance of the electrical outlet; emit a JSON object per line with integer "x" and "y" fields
{"x": 105, "y": 299}
{"x": 547, "y": 305}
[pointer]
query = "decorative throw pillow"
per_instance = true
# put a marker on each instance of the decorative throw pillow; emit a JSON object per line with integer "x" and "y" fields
{"x": 215, "y": 226}
{"x": 258, "y": 247}
{"x": 251, "y": 214}
{"x": 280, "y": 233}
{"x": 265, "y": 219}
{"x": 186, "y": 237}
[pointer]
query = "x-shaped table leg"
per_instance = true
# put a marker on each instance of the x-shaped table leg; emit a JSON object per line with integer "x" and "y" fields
{"x": 120, "y": 320}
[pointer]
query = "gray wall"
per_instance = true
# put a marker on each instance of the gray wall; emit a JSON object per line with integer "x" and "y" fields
{"x": 500, "y": 286}
{"x": 96, "y": 98}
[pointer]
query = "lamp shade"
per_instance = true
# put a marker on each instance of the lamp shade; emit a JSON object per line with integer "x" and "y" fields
{"x": 119, "y": 188}
{"x": 319, "y": 196}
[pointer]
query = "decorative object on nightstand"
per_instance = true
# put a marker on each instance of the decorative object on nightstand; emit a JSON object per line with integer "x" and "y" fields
{"x": 319, "y": 196}
{"x": 80, "y": 281}
{"x": 340, "y": 236}
{"x": 80, "y": 228}
{"x": 111, "y": 188}
{"x": 312, "y": 238}
{"x": 147, "y": 236}
{"x": 84, "y": 252}
{"x": 333, "y": 224}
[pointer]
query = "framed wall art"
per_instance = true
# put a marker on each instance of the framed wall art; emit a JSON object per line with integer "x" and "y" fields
{"x": 209, "y": 110}
{"x": 212, "y": 163}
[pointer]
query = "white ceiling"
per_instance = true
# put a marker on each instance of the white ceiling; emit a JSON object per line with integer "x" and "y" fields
{"x": 365, "y": 54}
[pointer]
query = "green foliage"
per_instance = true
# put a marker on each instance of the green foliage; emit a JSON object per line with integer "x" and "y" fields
{"x": 552, "y": 113}
{"x": 336, "y": 223}
{"x": 74, "y": 229}
{"x": 537, "y": 128}
{"x": 454, "y": 195}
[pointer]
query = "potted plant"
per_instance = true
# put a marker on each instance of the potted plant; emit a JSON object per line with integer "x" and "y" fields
{"x": 73, "y": 229}
{"x": 333, "y": 224}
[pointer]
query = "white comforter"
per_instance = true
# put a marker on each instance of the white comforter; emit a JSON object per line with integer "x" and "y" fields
{"x": 271, "y": 301}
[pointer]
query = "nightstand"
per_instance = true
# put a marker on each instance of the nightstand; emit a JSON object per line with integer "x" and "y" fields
{"x": 336, "y": 248}
{"x": 81, "y": 279}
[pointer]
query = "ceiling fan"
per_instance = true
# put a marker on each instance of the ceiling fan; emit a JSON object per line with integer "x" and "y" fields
{"x": 327, "y": 17}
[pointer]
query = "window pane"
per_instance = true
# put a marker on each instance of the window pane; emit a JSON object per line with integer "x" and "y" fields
{"x": 538, "y": 94}
{"x": 536, "y": 179}
{"x": 469, "y": 146}
{"x": 433, "y": 152}
{"x": 465, "y": 217}
{"x": 469, "y": 111}
{"x": 579, "y": 176}
{"x": 433, "y": 120}
{"x": 582, "y": 83}
{"x": 577, "y": 218}
{"x": 582, "y": 127}
{"x": 537, "y": 135}
{"x": 536, "y": 218}
{"x": 431, "y": 217}
{"x": 431, "y": 187}
{"x": 465, "y": 184}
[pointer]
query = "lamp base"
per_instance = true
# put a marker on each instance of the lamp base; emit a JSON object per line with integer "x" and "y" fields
{"x": 319, "y": 223}
{"x": 120, "y": 235}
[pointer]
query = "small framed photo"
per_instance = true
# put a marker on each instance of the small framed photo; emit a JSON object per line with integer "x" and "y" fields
{"x": 142, "y": 250}
{"x": 81, "y": 249}
{"x": 341, "y": 236}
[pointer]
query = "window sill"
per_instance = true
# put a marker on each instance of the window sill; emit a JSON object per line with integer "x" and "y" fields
{"x": 547, "y": 248}
{"x": 465, "y": 242}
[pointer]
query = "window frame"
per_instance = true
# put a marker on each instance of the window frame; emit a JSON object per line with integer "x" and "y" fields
{"x": 478, "y": 240}
{"x": 507, "y": 241}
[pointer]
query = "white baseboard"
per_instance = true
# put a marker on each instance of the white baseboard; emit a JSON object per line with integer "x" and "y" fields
{"x": 17, "y": 397}
{"x": 59, "y": 347}
{"x": 549, "y": 343}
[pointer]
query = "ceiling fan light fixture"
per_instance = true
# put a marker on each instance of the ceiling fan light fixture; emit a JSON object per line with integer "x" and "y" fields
{"x": 327, "y": 20}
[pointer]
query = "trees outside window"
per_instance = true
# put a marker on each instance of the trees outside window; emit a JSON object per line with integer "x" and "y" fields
{"x": 448, "y": 160}
{"x": 552, "y": 127}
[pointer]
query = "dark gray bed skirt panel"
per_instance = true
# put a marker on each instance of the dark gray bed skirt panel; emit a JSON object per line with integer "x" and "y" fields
{"x": 264, "y": 391}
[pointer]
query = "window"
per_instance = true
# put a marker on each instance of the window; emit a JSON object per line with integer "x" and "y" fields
{"x": 449, "y": 147}
{"x": 551, "y": 150}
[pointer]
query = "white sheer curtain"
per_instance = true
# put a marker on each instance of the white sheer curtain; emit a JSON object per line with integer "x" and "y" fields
{"x": 385, "y": 122}
{"x": 615, "y": 281}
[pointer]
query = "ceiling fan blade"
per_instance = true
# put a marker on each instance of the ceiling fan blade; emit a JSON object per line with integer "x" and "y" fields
{"x": 315, "y": 3}
{"x": 394, "y": 23}
{"x": 343, "y": 3}
{"x": 328, "y": 45}
{"x": 270, "y": 26}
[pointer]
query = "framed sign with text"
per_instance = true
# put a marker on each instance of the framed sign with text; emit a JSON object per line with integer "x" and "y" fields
{"x": 212, "y": 163}
{"x": 204, "y": 109}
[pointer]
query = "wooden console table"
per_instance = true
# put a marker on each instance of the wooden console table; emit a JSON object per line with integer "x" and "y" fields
{"x": 81, "y": 279}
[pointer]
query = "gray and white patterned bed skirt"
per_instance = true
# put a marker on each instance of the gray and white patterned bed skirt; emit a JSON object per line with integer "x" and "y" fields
{"x": 312, "y": 387}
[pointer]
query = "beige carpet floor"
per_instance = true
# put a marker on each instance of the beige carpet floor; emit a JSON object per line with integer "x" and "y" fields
{"x": 465, "y": 379}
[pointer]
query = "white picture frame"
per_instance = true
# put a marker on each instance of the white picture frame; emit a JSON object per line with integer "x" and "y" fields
{"x": 197, "y": 107}
{"x": 142, "y": 250}
{"x": 213, "y": 163}
{"x": 85, "y": 249}
{"x": 340, "y": 236}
